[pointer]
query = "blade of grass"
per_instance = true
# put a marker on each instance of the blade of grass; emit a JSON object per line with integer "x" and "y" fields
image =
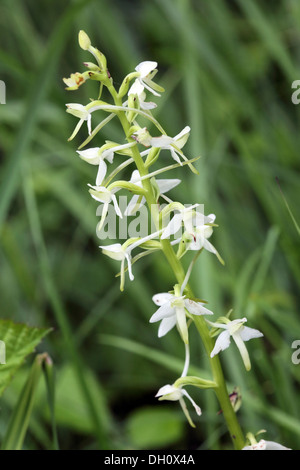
{"x": 58, "y": 307}
{"x": 44, "y": 77}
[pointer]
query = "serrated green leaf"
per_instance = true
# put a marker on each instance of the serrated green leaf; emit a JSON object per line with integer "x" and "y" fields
{"x": 20, "y": 340}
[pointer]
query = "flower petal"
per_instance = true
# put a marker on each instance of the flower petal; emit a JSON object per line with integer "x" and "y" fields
{"x": 222, "y": 342}
{"x": 247, "y": 333}
{"x": 101, "y": 172}
{"x": 90, "y": 155}
{"x": 162, "y": 298}
{"x": 145, "y": 67}
{"x": 166, "y": 185}
{"x": 163, "y": 312}
{"x": 166, "y": 325}
{"x": 196, "y": 308}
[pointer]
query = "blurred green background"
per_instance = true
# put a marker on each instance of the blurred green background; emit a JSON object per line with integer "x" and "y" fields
{"x": 228, "y": 68}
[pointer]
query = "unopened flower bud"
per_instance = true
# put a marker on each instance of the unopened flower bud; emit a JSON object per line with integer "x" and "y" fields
{"x": 84, "y": 40}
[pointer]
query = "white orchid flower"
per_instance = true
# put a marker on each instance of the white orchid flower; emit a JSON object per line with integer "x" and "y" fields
{"x": 187, "y": 217}
{"x": 106, "y": 196}
{"x": 147, "y": 70}
{"x": 138, "y": 89}
{"x": 171, "y": 312}
{"x": 172, "y": 393}
{"x": 120, "y": 253}
{"x": 164, "y": 142}
{"x": 97, "y": 156}
{"x": 123, "y": 253}
{"x": 80, "y": 111}
{"x": 164, "y": 185}
{"x": 266, "y": 445}
{"x": 239, "y": 333}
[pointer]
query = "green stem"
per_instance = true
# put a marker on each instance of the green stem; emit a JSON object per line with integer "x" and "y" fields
{"x": 177, "y": 268}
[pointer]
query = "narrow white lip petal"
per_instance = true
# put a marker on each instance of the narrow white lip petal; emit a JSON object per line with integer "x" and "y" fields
{"x": 175, "y": 156}
{"x": 101, "y": 172}
{"x": 242, "y": 349}
{"x": 222, "y": 342}
{"x": 162, "y": 312}
{"x": 247, "y": 333}
{"x": 89, "y": 123}
{"x": 131, "y": 276}
{"x": 166, "y": 325}
{"x": 116, "y": 206}
{"x": 162, "y": 298}
{"x": 196, "y": 308}
{"x": 145, "y": 67}
{"x": 181, "y": 323}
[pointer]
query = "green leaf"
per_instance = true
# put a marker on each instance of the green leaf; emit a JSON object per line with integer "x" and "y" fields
{"x": 20, "y": 340}
{"x": 154, "y": 427}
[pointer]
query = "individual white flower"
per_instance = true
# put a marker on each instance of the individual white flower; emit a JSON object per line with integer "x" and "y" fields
{"x": 120, "y": 253}
{"x": 172, "y": 393}
{"x": 138, "y": 89}
{"x": 187, "y": 217}
{"x": 147, "y": 70}
{"x": 80, "y": 111}
{"x": 97, "y": 156}
{"x": 266, "y": 445}
{"x": 171, "y": 312}
{"x": 106, "y": 196}
{"x": 123, "y": 253}
{"x": 239, "y": 333}
{"x": 164, "y": 185}
{"x": 164, "y": 142}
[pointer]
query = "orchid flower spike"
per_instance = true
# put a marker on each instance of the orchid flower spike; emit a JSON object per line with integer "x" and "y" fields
{"x": 239, "y": 333}
{"x": 172, "y": 393}
{"x": 80, "y": 111}
{"x": 98, "y": 155}
{"x": 164, "y": 185}
{"x": 147, "y": 70}
{"x": 172, "y": 311}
